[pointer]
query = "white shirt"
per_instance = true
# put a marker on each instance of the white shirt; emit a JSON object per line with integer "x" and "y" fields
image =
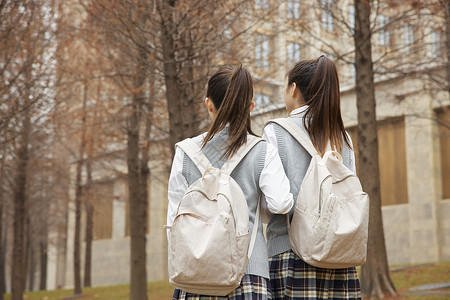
{"x": 273, "y": 182}
{"x": 270, "y": 137}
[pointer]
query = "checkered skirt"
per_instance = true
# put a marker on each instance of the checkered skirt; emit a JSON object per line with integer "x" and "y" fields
{"x": 252, "y": 288}
{"x": 291, "y": 278}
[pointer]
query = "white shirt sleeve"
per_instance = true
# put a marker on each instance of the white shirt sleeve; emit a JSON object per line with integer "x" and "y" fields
{"x": 269, "y": 135}
{"x": 177, "y": 185}
{"x": 266, "y": 209}
{"x": 274, "y": 184}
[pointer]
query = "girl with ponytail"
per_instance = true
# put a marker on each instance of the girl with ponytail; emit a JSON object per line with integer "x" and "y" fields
{"x": 229, "y": 103}
{"x": 312, "y": 100}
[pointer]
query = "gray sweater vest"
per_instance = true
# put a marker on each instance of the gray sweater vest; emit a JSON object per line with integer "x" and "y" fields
{"x": 295, "y": 161}
{"x": 247, "y": 175}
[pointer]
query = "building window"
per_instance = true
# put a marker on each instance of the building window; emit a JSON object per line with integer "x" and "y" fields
{"x": 262, "y": 4}
{"x": 392, "y": 160}
{"x": 293, "y": 53}
{"x": 385, "y": 36}
{"x": 351, "y": 18}
{"x": 227, "y": 37}
{"x": 353, "y": 70}
{"x": 261, "y": 100}
{"x": 409, "y": 38}
{"x": 327, "y": 16}
{"x": 444, "y": 137}
{"x": 293, "y": 9}
{"x": 262, "y": 51}
{"x": 436, "y": 44}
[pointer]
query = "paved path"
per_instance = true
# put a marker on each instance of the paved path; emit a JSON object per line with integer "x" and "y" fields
{"x": 429, "y": 289}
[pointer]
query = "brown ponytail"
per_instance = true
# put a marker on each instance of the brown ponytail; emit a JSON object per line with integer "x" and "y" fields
{"x": 231, "y": 91}
{"x": 318, "y": 82}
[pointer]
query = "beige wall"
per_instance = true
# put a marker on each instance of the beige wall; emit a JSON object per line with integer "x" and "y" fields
{"x": 111, "y": 257}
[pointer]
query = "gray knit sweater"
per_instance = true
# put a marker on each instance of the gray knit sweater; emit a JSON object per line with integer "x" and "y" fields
{"x": 246, "y": 174}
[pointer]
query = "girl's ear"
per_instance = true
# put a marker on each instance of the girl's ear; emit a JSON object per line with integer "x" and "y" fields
{"x": 295, "y": 91}
{"x": 209, "y": 105}
{"x": 252, "y": 106}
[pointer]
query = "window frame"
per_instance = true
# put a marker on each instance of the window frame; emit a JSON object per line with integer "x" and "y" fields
{"x": 262, "y": 52}
{"x": 292, "y": 56}
{"x": 293, "y": 9}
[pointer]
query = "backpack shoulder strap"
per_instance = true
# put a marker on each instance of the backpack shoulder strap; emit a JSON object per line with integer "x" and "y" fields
{"x": 195, "y": 154}
{"x": 297, "y": 133}
{"x": 232, "y": 162}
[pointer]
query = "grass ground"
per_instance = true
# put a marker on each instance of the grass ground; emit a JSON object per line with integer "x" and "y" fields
{"x": 403, "y": 280}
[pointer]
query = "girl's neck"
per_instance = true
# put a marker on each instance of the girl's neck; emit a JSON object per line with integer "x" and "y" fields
{"x": 298, "y": 109}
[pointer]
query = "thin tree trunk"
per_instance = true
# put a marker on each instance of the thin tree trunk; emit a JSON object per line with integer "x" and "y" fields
{"x": 78, "y": 195}
{"x": 138, "y": 205}
{"x": 20, "y": 183}
{"x": 137, "y": 196}
{"x": 43, "y": 262}
{"x": 375, "y": 279}
{"x": 447, "y": 49}
{"x": 89, "y": 225}
{"x": 26, "y": 244}
{"x": 31, "y": 262}
{"x": 2, "y": 265}
{"x": 3, "y": 254}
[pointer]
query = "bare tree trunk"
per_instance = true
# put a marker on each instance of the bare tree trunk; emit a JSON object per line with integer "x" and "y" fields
{"x": 31, "y": 262}
{"x": 20, "y": 183}
{"x": 43, "y": 261}
{"x": 183, "y": 107}
{"x": 375, "y": 279}
{"x": 78, "y": 195}
{"x": 2, "y": 265}
{"x": 447, "y": 48}
{"x": 89, "y": 226}
{"x": 136, "y": 184}
{"x": 3, "y": 256}
{"x": 138, "y": 206}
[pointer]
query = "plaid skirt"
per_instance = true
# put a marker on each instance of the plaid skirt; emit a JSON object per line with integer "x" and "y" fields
{"x": 252, "y": 288}
{"x": 291, "y": 278}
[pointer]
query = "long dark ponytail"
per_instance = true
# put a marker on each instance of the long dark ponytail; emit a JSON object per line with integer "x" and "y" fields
{"x": 318, "y": 82}
{"x": 231, "y": 91}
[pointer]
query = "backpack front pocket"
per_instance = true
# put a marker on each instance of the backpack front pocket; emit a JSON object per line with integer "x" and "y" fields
{"x": 207, "y": 241}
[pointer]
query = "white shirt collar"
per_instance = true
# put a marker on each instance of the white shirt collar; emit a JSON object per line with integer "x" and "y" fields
{"x": 298, "y": 110}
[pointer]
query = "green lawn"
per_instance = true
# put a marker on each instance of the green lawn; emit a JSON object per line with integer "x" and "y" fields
{"x": 156, "y": 291}
{"x": 403, "y": 280}
{"x": 421, "y": 275}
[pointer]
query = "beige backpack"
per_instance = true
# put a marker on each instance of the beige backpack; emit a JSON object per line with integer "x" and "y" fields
{"x": 329, "y": 227}
{"x": 209, "y": 244}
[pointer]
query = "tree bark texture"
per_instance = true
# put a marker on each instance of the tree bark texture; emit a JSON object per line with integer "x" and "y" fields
{"x": 2, "y": 265}
{"x": 78, "y": 196}
{"x": 3, "y": 256}
{"x": 20, "y": 184}
{"x": 43, "y": 262}
{"x": 89, "y": 226}
{"x": 447, "y": 48}
{"x": 137, "y": 184}
{"x": 31, "y": 262}
{"x": 375, "y": 279}
{"x": 183, "y": 104}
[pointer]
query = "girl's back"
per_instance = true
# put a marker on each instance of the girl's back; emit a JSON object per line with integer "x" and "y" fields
{"x": 312, "y": 100}
{"x": 229, "y": 102}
